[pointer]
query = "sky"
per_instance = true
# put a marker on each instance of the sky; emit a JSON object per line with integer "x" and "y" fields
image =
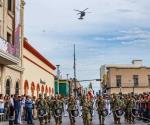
{"x": 115, "y": 32}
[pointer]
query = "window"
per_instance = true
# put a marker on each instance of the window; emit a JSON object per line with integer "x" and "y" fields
{"x": 118, "y": 80}
{"x": 8, "y": 87}
{"x": 0, "y": 3}
{"x": 149, "y": 80}
{"x": 135, "y": 80}
{"x": 17, "y": 88}
{"x": 9, "y": 38}
{"x": 10, "y": 5}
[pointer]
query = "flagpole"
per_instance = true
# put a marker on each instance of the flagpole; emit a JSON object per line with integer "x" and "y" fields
{"x": 74, "y": 67}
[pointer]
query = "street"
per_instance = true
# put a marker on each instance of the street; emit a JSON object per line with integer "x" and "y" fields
{"x": 109, "y": 121}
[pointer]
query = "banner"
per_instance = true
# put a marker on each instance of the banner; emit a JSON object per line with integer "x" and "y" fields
{"x": 17, "y": 28}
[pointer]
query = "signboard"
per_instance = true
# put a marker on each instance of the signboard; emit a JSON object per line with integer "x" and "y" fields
{"x": 42, "y": 82}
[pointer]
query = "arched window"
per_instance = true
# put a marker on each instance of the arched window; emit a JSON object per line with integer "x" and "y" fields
{"x": 17, "y": 88}
{"x": 8, "y": 87}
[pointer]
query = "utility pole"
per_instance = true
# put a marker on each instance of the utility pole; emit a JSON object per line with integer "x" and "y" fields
{"x": 58, "y": 75}
{"x": 74, "y": 67}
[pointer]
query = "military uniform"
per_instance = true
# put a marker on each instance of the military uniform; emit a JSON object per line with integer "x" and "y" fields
{"x": 57, "y": 104}
{"x": 86, "y": 115}
{"x": 100, "y": 104}
{"x": 130, "y": 106}
{"x": 49, "y": 108}
{"x": 71, "y": 107}
{"x": 125, "y": 108}
{"x": 117, "y": 103}
{"x": 41, "y": 104}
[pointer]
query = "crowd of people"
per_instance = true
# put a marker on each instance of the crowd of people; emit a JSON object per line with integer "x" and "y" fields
{"x": 26, "y": 108}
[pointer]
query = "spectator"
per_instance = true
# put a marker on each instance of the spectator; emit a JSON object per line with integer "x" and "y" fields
{"x": 1, "y": 104}
{"x": 34, "y": 109}
{"x": 16, "y": 108}
{"x": 29, "y": 107}
{"x": 6, "y": 107}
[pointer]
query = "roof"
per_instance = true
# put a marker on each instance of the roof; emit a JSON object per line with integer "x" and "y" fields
{"x": 126, "y": 66}
{"x": 37, "y": 54}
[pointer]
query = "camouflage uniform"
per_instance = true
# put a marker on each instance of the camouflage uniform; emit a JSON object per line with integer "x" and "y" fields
{"x": 100, "y": 103}
{"x": 71, "y": 107}
{"x": 130, "y": 106}
{"x": 41, "y": 104}
{"x": 86, "y": 115}
{"x": 125, "y": 108}
{"x": 115, "y": 104}
{"x": 57, "y": 104}
{"x": 49, "y": 108}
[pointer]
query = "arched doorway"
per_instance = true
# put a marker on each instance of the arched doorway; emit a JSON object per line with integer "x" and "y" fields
{"x": 26, "y": 87}
{"x": 32, "y": 88}
{"x": 8, "y": 87}
{"x": 17, "y": 88}
{"x": 38, "y": 89}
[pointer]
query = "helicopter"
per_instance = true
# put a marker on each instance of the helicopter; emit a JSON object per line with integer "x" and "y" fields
{"x": 82, "y": 13}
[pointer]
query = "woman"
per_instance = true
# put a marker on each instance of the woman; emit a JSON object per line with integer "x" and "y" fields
{"x": 1, "y": 104}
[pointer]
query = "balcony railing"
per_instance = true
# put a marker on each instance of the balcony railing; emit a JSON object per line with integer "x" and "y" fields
{"x": 8, "y": 48}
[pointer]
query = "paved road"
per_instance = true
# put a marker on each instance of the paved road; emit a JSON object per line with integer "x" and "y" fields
{"x": 109, "y": 121}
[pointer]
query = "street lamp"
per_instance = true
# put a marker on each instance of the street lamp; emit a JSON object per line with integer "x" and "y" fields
{"x": 58, "y": 75}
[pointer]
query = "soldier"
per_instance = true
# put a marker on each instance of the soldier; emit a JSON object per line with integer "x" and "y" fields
{"x": 82, "y": 99}
{"x": 57, "y": 105}
{"x": 116, "y": 103}
{"x": 100, "y": 104}
{"x": 71, "y": 107}
{"x": 86, "y": 115}
{"x": 125, "y": 108}
{"x": 130, "y": 106}
{"x": 41, "y": 104}
{"x": 49, "y": 108}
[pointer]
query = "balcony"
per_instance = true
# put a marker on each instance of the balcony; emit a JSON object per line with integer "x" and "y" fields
{"x": 8, "y": 53}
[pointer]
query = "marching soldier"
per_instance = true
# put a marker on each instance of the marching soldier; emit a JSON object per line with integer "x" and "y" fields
{"x": 41, "y": 104}
{"x": 125, "y": 108}
{"x": 57, "y": 108}
{"x": 47, "y": 108}
{"x": 71, "y": 107}
{"x": 130, "y": 106}
{"x": 86, "y": 115}
{"x": 82, "y": 100}
{"x": 100, "y": 104}
{"x": 116, "y": 103}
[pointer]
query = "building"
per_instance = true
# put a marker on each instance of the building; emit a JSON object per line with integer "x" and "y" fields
{"x": 39, "y": 73}
{"x": 63, "y": 87}
{"x": 11, "y": 37}
{"x": 128, "y": 78}
{"x": 67, "y": 87}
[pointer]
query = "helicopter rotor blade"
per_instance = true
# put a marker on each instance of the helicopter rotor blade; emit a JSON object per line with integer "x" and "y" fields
{"x": 78, "y": 10}
{"x": 88, "y": 12}
{"x": 78, "y": 13}
{"x": 85, "y": 9}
